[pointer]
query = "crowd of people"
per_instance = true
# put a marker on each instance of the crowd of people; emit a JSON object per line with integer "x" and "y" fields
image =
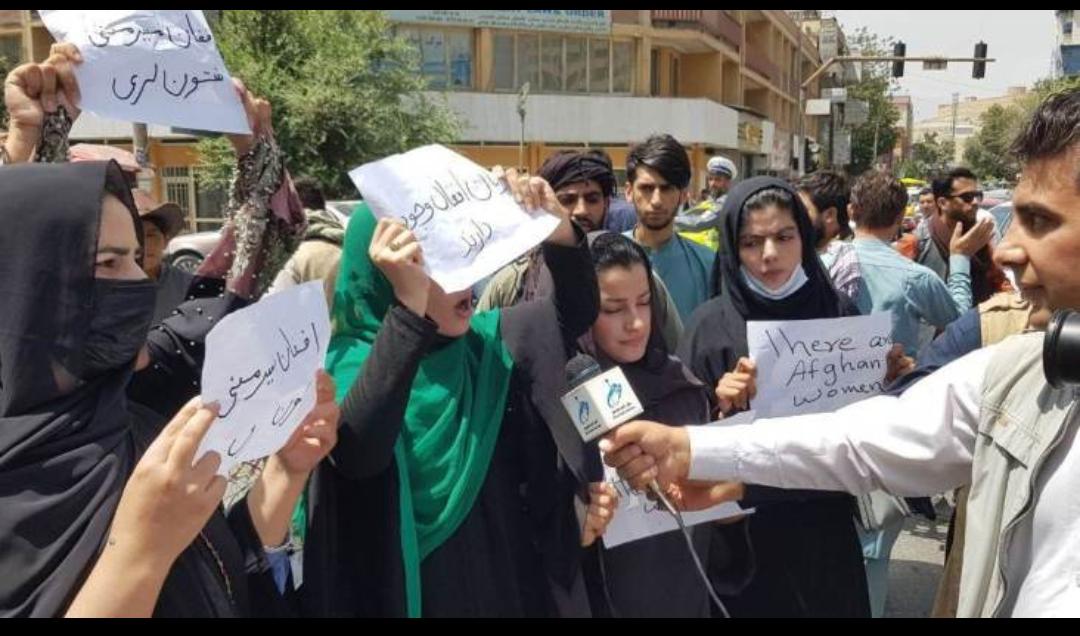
{"x": 438, "y": 473}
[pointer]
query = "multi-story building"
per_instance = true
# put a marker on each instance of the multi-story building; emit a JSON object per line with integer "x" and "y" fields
{"x": 722, "y": 82}
{"x": 906, "y": 128}
{"x": 960, "y": 121}
{"x": 1067, "y": 47}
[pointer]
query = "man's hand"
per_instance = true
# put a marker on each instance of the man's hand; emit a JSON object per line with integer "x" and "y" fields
{"x": 970, "y": 242}
{"x": 643, "y": 451}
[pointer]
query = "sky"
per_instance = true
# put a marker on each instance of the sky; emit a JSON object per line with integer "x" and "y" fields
{"x": 1021, "y": 41}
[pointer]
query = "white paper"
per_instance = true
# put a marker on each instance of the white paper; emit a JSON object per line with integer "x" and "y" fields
{"x": 155, "y": 67}
{"x": 466, "y": 221}
{"x": 816, "y": 366}
{"x": 260, "y": 367}
{"x": 638, "y": 517}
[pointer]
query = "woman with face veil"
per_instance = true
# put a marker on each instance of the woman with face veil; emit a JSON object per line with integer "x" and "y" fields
{"x": 806, "y": 557}
{"x": 73, "y": 430}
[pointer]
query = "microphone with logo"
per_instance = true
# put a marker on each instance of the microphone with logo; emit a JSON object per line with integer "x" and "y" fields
{"x": 600, "y": 401}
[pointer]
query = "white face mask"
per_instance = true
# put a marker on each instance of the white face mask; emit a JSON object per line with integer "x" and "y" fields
{"x": 794, "y": 283}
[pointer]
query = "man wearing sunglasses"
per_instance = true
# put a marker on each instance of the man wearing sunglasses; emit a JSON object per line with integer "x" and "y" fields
{"x": 958, "y": 197}
{"x": 584, "y": 183}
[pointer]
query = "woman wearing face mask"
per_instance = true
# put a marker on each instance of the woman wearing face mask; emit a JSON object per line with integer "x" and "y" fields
{"x": 806, "y": 557}
{"x": 76, "y": 311}
{"x": 655, "y": 576}
{"x": 435, "y": 501}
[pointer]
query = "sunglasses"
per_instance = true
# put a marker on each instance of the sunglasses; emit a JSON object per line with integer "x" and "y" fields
{"x": 968, "y": 197}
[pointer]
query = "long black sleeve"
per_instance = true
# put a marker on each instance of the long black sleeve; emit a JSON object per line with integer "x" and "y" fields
{"x": 374, "y": 408}
{"x": 574, "y": 305}
{"x": 177, "y": 347}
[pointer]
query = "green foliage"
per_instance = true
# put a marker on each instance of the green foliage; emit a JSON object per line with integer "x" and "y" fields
{"x": 344, "y": 90}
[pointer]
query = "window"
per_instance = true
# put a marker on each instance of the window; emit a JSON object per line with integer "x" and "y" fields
{"x": 1067, "y": 27}
{"x": 577, "y": 65}
{"x": 622, "y": 67}
{"x": 674, "y": 77}
{"x": 179, "y": 188}
{"x": 446, "y": 55}
{"x": 551, "y": 76}
{"x": 528, "y": 61}
{"x": 599, "y": 66}
{"x": 555, "y": 63}
{"x": 11, "y": 49}
{"x": 504, "y": 62}
{"x": 654, "y": 72}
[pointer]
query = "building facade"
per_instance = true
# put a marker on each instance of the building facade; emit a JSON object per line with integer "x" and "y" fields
{"x": 966, "y": 114}
{"x": 722, "y": 82}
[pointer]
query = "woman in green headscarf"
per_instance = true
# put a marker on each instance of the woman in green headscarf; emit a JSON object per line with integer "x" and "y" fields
{"x": 445, "y": 490}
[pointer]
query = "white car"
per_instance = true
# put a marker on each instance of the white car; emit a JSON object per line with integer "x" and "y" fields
{"x": 187, "y": 251}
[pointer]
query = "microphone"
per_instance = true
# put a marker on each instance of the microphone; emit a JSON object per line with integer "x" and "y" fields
{"x": 599, "y": 402}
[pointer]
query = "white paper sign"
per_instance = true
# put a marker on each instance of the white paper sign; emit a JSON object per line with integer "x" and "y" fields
{"x": 467, "y": 221}
{"x": 156, "y": 67}
{"x": 260, "y": 367}
{"x": 638, "y": 517}
{"x": 815, "y": 366}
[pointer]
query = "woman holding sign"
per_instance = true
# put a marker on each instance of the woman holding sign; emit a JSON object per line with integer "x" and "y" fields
{"x": 74, "y": 537}
{"x": 653, "y": 576}
{"x": 444, "y": 496}
{"x": 75, "y": 423}
{"x": 806, "y": 555}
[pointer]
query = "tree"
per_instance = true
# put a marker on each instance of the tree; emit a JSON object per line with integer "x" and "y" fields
{"x": 929, "y": 155}
{"x": 343, "y": 88}
{"x": 874, "y": 88}
{"x": 987, "y": 152}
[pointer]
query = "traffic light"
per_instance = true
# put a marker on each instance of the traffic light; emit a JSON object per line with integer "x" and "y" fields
{"x": 978, "y": 71}
{"x": 898, "y": 50}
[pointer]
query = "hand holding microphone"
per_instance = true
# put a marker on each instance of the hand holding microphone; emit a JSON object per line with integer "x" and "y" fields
{"x": 599, "y": 402}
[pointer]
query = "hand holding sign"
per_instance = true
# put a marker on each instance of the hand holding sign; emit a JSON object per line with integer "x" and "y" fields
{"x": 260, "y": 366}
{"x": 159, "y": 67}
{"x": 32, "y": 90}
{"x": 317, "y": 434}
{"x": 167, "y": 499}
{"x": 257, "y": 111}
{"x": 536, "y": 194}
{"x": 466, "y": 218}
{"x": 738, "y": 387}
{"x": 814, "y": 366}
{"x": 897, "y": 364}
{"x": 398, "y": 255}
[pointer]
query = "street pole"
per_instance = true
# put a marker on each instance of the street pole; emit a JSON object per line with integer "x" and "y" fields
{"x": 873, "y": 156}
{"x": 800, "y": 151}
{"x": 522, "y": 96}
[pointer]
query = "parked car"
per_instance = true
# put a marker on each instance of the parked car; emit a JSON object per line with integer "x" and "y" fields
{"x": 1003, "y": 215}
{"x": 187, "y": 251}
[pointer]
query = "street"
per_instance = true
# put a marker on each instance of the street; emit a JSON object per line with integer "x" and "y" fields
{"x": 917, "y": 563}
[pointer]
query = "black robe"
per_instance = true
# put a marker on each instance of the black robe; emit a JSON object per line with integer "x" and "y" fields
{"x": 67, "y": 446}
{"x": 515, "y": 553}
{"x": 806, "y": 558}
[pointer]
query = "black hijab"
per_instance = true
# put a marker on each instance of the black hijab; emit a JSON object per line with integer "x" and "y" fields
{"x": 65, "y": 448}
{"x": 658, "y": 376}
{"x": 669, "y": 394}
{"x": 715, "y": 337}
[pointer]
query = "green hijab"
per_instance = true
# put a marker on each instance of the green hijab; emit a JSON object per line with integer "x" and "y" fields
{"x": 455, "y": 407}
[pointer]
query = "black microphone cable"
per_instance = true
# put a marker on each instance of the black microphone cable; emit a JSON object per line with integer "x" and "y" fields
{"x": 689, "y": 546}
